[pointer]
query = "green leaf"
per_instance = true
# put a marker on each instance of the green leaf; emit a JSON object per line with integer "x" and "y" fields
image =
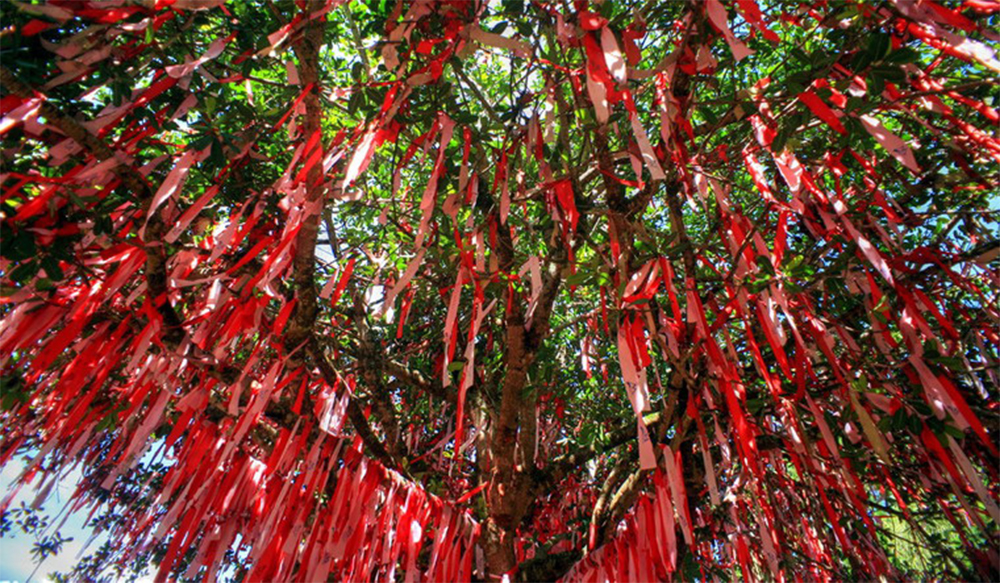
{"x": 794, "y": 263}
{"x": 577, "y": 278}
{"x": 861, "y": 61}
{"x": 794, "y": 287}
{"x": 202, "y": 142}
{"x": 108, "y": 422}
{"x": 52, "y": 270}
{"x": 759, "y": 285}
{"x": 800, "y": 55}
{"x": 764, "y": 263}
{"x": 798, "y": 81}
{"x": 785, "y": 131}
{"x": 24, "y": 272}
{"x": 903, "y": 55}
{"x": 890, "y": 73}
{"x": 879, "y": 44}
{"x": 20, "y": 247}
{"x": 12, "y": 392}
{"x": 708, "y": 115}
{"x": 755, "y": 405}
{"x": 954, "y": 431}
{"x": 607, "y": 9}
{"x": 876, "y": 85}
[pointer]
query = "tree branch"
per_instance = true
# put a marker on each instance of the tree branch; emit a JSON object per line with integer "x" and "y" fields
{"x": 417, "y": 380}
{"x": 303, "y": 264}
{"x": 566, "y": 463}
{"x": 354, "y": 413}
{"x": 156, "y": 254}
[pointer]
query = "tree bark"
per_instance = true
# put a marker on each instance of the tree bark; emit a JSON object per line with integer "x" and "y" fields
{"x": 307, "y": 50}
{"x": 501, "y": 521}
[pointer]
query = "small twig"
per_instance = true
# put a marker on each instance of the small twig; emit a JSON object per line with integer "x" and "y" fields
{"x": 476, "y": 92}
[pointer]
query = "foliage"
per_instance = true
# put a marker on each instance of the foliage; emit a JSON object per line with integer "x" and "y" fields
{"x": 450, "y": 289}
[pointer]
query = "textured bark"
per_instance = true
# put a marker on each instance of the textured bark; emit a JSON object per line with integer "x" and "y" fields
{"x": 354, "y": 413}
{"x": 600, "y": 512}
{"x": 372, "y": 366}
{"x": 512, "y": 486}
{"x": 502, "y": 499}
{"x": 548, "y": 567}
{"x": 300, "y": 340}
{"x": 307, "y": 50}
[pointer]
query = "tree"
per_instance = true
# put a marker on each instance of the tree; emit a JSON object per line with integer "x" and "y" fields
{"x": 461, "y": 290}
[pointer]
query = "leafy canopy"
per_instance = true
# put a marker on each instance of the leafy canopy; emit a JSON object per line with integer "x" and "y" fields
{"x": 457, "y": 289}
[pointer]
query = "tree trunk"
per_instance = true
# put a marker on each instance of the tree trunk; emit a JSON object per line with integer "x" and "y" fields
{"x": 498, "y": 545}
{"x": 307, "y": 50}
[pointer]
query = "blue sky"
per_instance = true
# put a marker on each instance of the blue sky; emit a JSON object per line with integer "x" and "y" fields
{"x": 15, "y": 546}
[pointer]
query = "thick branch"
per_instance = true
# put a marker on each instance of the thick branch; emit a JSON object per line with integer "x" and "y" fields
{"x": 156, "y": 254}
{"x": 370, "y": 363}
{"x": 416, "y": 379}
{"x": 354, "y": 413}
{"x": 621, "y": 502}
{"x": 300, "y": 328}
{"x": 303, "y": 265}
{"x": 599, "y": 513}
